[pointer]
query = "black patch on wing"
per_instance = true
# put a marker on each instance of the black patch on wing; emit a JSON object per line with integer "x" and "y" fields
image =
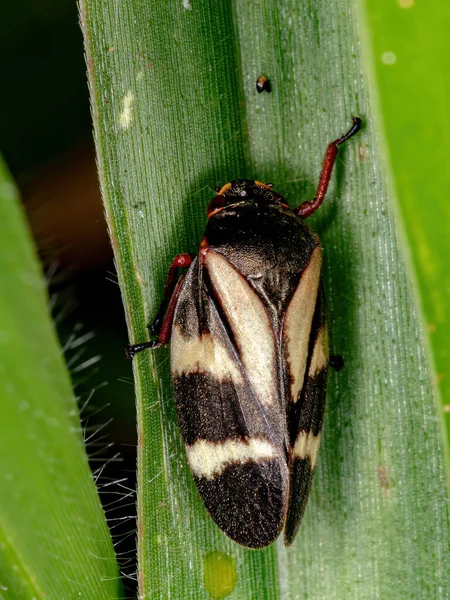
{"x": 247, "y": 501}
{"x": 301, "y": 475}
{"x": 211, "y": 411}
{"x": 312, "y": 404}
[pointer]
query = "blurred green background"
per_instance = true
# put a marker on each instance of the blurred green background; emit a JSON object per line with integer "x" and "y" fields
{"x": 46, "y": 140}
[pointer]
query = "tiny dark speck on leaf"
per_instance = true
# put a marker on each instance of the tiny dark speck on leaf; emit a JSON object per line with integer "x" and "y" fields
{"x": 263, "y": 85}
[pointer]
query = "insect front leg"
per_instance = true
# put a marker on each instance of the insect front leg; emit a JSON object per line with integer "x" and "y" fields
{"x": 162, "y": 324}
{"x": 307, "y": 208}
{"x": 182, "y": 261}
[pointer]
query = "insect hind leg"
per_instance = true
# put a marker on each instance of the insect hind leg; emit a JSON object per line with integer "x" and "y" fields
{"x": 182, "y": 261}
{"x": 307, "y": 208}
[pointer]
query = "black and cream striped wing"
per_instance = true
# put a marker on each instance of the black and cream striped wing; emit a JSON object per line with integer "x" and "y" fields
{"x": 305, "y": 341}
{"x": 226, "y": 388}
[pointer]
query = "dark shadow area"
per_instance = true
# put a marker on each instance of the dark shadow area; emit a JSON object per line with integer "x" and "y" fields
{"x": 340, "y": 289}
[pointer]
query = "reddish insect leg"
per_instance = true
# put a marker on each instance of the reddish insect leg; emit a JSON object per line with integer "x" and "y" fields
{"x": 162, "y": 325}
{"x": 180, "y": 261}
{"x": 307, "y": 208}
{"x": 165, "y": 329}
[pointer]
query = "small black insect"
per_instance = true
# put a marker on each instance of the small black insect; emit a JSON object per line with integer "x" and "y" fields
{"x": 263, "y": 85}
{"x": 249, "y": 357}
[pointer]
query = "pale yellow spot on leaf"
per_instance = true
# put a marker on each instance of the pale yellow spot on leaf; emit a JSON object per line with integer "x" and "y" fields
{"x": 126, "y": 116}
{"x": 388, "y": 58}
{"x": 219, "y": 574}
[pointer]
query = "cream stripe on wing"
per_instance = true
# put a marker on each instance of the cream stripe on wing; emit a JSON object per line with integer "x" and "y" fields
{"x": 250, "y": 324}
{"x": 209, "y": 459}
{"x": 298, "y": 320}
{"x": 204, "y": 354}
{"x": 321, "y": 354}
{"x": 307, "y": 446}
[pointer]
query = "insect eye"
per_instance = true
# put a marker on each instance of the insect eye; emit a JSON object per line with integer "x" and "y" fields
{"x": 216, "y": 204}
{"x": 243, "y": 193}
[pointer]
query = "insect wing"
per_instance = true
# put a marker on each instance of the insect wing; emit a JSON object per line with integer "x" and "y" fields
{"x": 229, "y": 418}
{"x": 305, "y": 418}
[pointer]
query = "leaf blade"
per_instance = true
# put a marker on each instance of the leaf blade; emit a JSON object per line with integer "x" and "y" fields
{"x": 410, "y": 49}
{"x": 53, "y": 536}
{"x": 311, "y": 56}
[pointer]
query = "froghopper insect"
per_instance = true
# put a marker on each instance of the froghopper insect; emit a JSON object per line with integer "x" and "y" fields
{"x": 249, "y": 356}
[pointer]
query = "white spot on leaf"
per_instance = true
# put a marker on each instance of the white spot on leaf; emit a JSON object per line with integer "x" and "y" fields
{"x": 126, "y": 116}
{"x": 388, "y": 58}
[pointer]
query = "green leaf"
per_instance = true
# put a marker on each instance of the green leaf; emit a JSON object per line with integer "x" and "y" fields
{"x": 411, "y": 49}
{"x": 54, "y": 541}
{"x": 175, "y": 113}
